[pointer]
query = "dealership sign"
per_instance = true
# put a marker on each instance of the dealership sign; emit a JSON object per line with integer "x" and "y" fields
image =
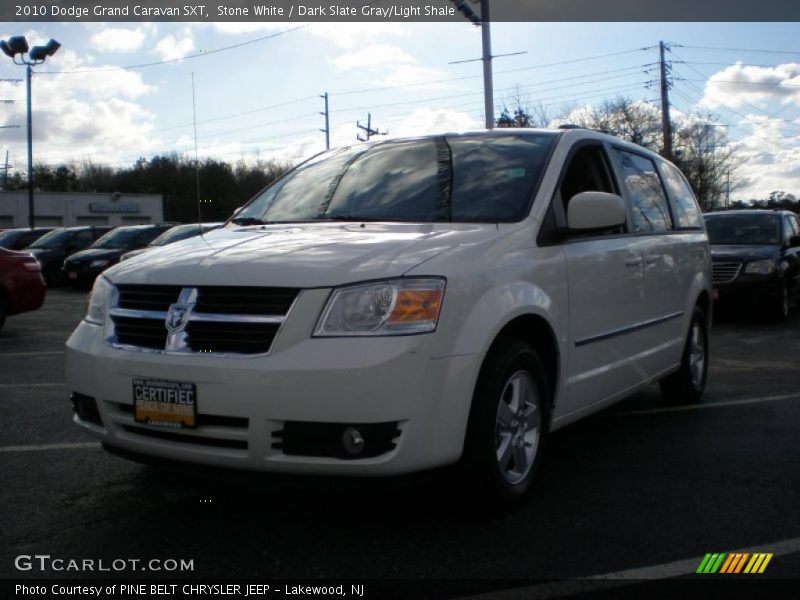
{"x": 99, "y": 207}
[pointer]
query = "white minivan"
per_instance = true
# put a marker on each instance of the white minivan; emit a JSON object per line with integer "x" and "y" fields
{"x": 404, "y": 305}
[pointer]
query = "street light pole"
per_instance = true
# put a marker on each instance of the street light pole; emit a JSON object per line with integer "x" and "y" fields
{"x": 12, "y": 47}
{"x": 31, "y": 218}
{"x": 488, "y": 88}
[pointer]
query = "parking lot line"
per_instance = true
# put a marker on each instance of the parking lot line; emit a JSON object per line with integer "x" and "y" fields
{"x": 617, "y": 579}
{"x": 40, "y": 447}
{"x": 685, "y": 407}
{"x": 16, "y": 354}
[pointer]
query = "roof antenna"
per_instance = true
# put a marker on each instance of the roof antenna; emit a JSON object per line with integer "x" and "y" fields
{"x": 196, "y": 160}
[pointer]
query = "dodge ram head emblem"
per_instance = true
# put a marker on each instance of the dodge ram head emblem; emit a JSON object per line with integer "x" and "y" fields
{"x": 177, "y": 317}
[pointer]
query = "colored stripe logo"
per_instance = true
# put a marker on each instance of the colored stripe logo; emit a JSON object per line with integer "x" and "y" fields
{"x": 734, "y": 562}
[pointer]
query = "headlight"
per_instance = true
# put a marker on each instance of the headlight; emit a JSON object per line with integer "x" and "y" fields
{"x": 392, "y": 307}
{"x": 99, "y": 264}
{"x": 98, "y": 302}
{"x": 760, "y": 267}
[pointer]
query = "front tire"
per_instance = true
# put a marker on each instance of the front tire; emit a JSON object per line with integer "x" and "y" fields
{"x": 688, "y": 383}
{"x": 507, "y": 424}
{"x": 779, "y": 307}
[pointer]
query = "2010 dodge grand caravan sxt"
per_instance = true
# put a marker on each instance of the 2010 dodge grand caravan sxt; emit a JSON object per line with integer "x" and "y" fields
{"x": 398, "y": 306}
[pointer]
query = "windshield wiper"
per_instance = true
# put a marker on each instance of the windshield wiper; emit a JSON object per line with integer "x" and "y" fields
{"x": 248, "y": 221}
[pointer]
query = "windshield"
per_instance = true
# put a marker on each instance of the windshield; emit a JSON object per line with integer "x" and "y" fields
{"x": 742, "y": 230}
{"x": 122, "y": 238}
{"x": 176, "y": 234}
{"x": 447, "y": 178}
{"x": 54, "y": 239}
{"x": 9, "y": 237}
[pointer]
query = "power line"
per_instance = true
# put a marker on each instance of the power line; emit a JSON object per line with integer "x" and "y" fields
{"x": 725, "y": 49}
{"x": 451, "y": 79}
{"x": 174, "y": 60}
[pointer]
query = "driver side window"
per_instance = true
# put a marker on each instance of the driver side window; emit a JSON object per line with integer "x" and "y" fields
{"x": 587, "y": 171}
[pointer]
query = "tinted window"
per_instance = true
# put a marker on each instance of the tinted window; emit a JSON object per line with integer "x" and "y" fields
{"x": 10, "y": 239}
{"x": 123, "y": 238}
{"x": 788, "y": 230}
{"x": 743, "y": 229}
{"x": 684, "y": 207}
{"x": 83, "y": 238}
{"x": 483, "y": 179}
{"x": 649, "y": 208}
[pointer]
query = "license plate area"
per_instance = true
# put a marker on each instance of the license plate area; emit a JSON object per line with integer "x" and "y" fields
{"x": 171, "y": 404}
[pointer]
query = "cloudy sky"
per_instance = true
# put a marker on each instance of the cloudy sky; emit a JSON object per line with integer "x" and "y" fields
{"x": 260, "y": 99}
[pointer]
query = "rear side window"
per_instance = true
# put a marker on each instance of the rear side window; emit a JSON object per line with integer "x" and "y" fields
{"x": 649, "y": 208}
{"x": 684, "y": 206}
{"x": 788, "y": 230}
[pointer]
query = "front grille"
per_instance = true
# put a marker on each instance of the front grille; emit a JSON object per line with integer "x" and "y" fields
{"x": 219, "y": 319}
{"x": 227, "y": 300}
{"x": 147, "y": 297}
{"x": 187, "y": 439}
{"x": 241, "y": 338}
{"x": 144, "y": 333}
{"x": 725, "y": 272}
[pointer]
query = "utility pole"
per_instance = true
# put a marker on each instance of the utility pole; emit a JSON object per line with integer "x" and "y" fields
{"x": 666, "y": 124}
{"x": 488, "y": 88}
{"x": 484, "y": 21}
{"x": 5, "y": 173}
{"x": 327, "y": 130}
{"x": 368, "y": 129}
{"x": 30, "y": 151}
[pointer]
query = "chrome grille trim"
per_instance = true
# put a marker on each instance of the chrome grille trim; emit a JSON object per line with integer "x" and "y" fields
{"x": 179, "y": 342}
{"x": 725, "y": 272}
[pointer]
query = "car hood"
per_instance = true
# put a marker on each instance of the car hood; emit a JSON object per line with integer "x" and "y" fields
{"x": 95, "y": 254}
{"x": 302, "y": 255}
{"x": 743, "y": 253}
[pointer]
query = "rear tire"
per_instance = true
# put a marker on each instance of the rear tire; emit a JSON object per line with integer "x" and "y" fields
{"x": 687, "y": 384}
{"x": 507, "y": 424}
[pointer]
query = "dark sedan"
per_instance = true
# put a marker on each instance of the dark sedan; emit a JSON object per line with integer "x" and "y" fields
{"x": 21, "y": 285}
{"x": 176, "y": 234}
{"x": 756, "y": 258}
{"x": 17, "y": 239}
{"x": 53, "y": 248}
{"x": 82, "y": 267}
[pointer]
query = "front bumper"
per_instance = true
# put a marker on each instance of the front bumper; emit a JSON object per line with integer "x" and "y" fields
{"x": 329, "y": 380}
{"x": 82, "y": 273}
{"x": 749, "y": 289}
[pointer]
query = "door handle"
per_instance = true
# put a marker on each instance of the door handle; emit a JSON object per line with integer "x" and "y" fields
{"x": 652, "y": 259}
{"x": 633, "y": 262}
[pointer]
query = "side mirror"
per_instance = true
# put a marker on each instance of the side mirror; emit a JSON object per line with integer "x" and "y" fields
{"x": 794, "y": 241}
{"x": 595, "y": 210}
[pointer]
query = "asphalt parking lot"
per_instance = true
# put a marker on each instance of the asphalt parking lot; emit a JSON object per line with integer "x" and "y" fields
{"x": 642, "y": 486}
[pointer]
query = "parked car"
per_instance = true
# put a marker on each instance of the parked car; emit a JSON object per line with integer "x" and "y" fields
{"x": 53, "y": 248}
{"x": 82, "y": 267}
{"x": 22, "y": 237}
{"x": 22, "y": 287}
{"x": 756, "y": 258}
{"x": 176, "y": 234}
{"x": 405, "y": 305}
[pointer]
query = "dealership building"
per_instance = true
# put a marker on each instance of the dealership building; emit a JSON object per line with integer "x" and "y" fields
{"x": 68, "y": 209}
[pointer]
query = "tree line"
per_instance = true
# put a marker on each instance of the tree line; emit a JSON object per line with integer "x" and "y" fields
{"x": 223, "y": 186}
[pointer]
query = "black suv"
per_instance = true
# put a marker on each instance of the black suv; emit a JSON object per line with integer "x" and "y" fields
{"x": 22, "y": 237}
{"x": 53, "y": 248}
{"x": 756, "y": 258}
{"x": 82, "y": 267}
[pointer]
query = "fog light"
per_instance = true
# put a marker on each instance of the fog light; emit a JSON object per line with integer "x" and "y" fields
{"x": 353, "y": 441}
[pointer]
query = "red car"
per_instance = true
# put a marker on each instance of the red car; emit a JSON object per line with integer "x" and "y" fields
{"x": 22, "y": 286}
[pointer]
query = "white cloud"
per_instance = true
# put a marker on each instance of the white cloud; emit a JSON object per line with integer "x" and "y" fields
{"x": 115, "y": 39}
{"x": 172, "y": 47}
{"x": 352, "y": 35}
{"x": 376, "y": 55}
{"x": 738, "y": 85}
{"x": 240, "y": 28}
